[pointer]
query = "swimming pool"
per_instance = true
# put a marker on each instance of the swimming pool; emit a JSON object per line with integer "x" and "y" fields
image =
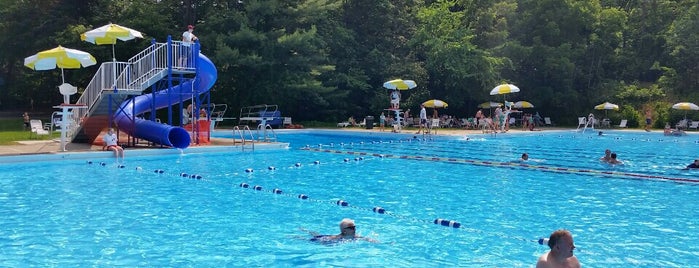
{"x": 146, "y": 213}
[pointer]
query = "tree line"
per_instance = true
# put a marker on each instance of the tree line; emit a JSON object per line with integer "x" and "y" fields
{"x": 326, "y": 60}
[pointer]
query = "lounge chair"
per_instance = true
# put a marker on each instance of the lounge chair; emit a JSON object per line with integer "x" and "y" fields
{"x": 287, "y": 122}
{"x": 547, "y": 121}
{"x": 582, "y": 121}
{"x": 694, "y": 125}
{"x": 343, "y": 124}
{"x": 434, "y": 125}
{"x": 682, "y": 124}
{"x": 38, "y": 127}
{"x": 623, "y": 122}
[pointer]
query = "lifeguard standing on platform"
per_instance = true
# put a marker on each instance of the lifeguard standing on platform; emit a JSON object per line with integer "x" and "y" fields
{"x": 395, "y": 99}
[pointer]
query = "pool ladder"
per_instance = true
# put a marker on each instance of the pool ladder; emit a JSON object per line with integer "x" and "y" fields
{"x": 248, "y": 144}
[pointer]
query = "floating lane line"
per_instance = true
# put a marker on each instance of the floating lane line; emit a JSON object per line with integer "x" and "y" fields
{"x": 515, "y": 165}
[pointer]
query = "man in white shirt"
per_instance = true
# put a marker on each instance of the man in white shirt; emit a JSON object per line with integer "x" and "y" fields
{"x": 188, "y": 39}
{"x": 423, "y": 118}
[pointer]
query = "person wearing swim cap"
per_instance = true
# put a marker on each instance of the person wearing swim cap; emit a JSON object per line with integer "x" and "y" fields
{"x": 561, "y": 253}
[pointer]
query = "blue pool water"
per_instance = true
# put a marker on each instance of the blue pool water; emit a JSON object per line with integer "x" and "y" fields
{"x": 641, "y": 214}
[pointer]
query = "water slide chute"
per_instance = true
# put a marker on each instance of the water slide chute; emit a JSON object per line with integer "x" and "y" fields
{"x": 162, "y": 133}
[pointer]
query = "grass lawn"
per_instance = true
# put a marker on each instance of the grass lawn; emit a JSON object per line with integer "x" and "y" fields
{"x": 12, "y": 130}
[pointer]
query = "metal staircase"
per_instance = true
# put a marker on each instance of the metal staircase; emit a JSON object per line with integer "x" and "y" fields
{"x": 115, "y": 82}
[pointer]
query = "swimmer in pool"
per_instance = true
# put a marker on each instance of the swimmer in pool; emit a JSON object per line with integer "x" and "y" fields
{"x": 561, "y": 253}
{"x": 607, "y": 156}
{"x": 525, "y": 157}
{"x": 347, "y": 232}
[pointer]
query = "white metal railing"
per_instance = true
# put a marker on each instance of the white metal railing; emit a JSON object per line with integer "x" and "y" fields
{"x": 132, "y": 77}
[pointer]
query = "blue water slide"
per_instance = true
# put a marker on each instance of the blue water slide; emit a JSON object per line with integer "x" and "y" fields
{"x": 161, "y": 133}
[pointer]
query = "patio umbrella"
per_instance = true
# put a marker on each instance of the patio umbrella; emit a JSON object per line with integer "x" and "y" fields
{"x": 489, "y": 104}
{"x": 686, "y": 106}
{"x": 504, "y": 89}
{"x": 523, "y": 104}
{"x": 606, "y": 106}
{"x": 108, "y": 34}
{"x": 64, "y": 58}
{"x": 400, "y": 84}
{"x": 435, "y": 104}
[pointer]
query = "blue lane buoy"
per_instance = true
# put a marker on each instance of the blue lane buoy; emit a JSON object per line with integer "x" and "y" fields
{"x": 447, "y": 223}
{"x": 297, "y": 164}
{"x": 277, "y": 191}
{"x": 271, "y": 168}
{"x": 199, "y": 177}
{"x": 89, "y": 162}
{"x": 249, "y": 170}
{"x": 342, "y": 203}
{"x": 184, "y": 175}
{"x": 543, "y": 241}
{"x": 379, "y": 210}
{"x": 244, "y": 185}
{"x": 103, "y": 163}
{"x": 122, "y": 166}
{"x": 303, "y": 196}
{"x": 346, "y": 159}
{"x": 257, "y": 187}
{"x": 316, "y": 162}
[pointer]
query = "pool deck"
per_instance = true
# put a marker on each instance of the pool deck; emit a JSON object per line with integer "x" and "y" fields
{"x": 30, "y": 147}
{"x": 53, "y": 146}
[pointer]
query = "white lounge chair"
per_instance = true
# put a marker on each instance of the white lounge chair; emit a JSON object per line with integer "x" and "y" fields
{"x": 38, "y": 127}
{"x": 547, "y": 121}
{"x": 582, "y": 121}
{"x": 694, "y": 125}
{"x": 287, "y": 122}
{"x": 434, "y": 125}
{"x": 623, "y": 122}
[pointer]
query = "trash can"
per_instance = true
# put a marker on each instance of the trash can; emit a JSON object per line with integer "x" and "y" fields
{"x": 369, "y": 120}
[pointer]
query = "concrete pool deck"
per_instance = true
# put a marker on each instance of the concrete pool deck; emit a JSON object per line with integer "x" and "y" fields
{"x": 30, "y": 147}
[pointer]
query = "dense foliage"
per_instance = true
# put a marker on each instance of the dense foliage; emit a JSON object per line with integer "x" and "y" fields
{"x": 325, "y": 60}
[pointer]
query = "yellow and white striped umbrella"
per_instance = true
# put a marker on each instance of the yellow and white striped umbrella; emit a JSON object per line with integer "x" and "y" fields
{"x": 489, "y": 104}
{"x": 63, "y": 58}
{"x": 400, "y": 84}
{"x": 687, "y": 106}
{"x": 523, "y": 104}
{"x": 109, "y": 34}
{"x": 435, "y": 104}
{"x": 504, "y": 89}
{"x": 607, "y": 106}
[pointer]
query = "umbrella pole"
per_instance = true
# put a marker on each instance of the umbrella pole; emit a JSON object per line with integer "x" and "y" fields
{"x": 63, "y": 78}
